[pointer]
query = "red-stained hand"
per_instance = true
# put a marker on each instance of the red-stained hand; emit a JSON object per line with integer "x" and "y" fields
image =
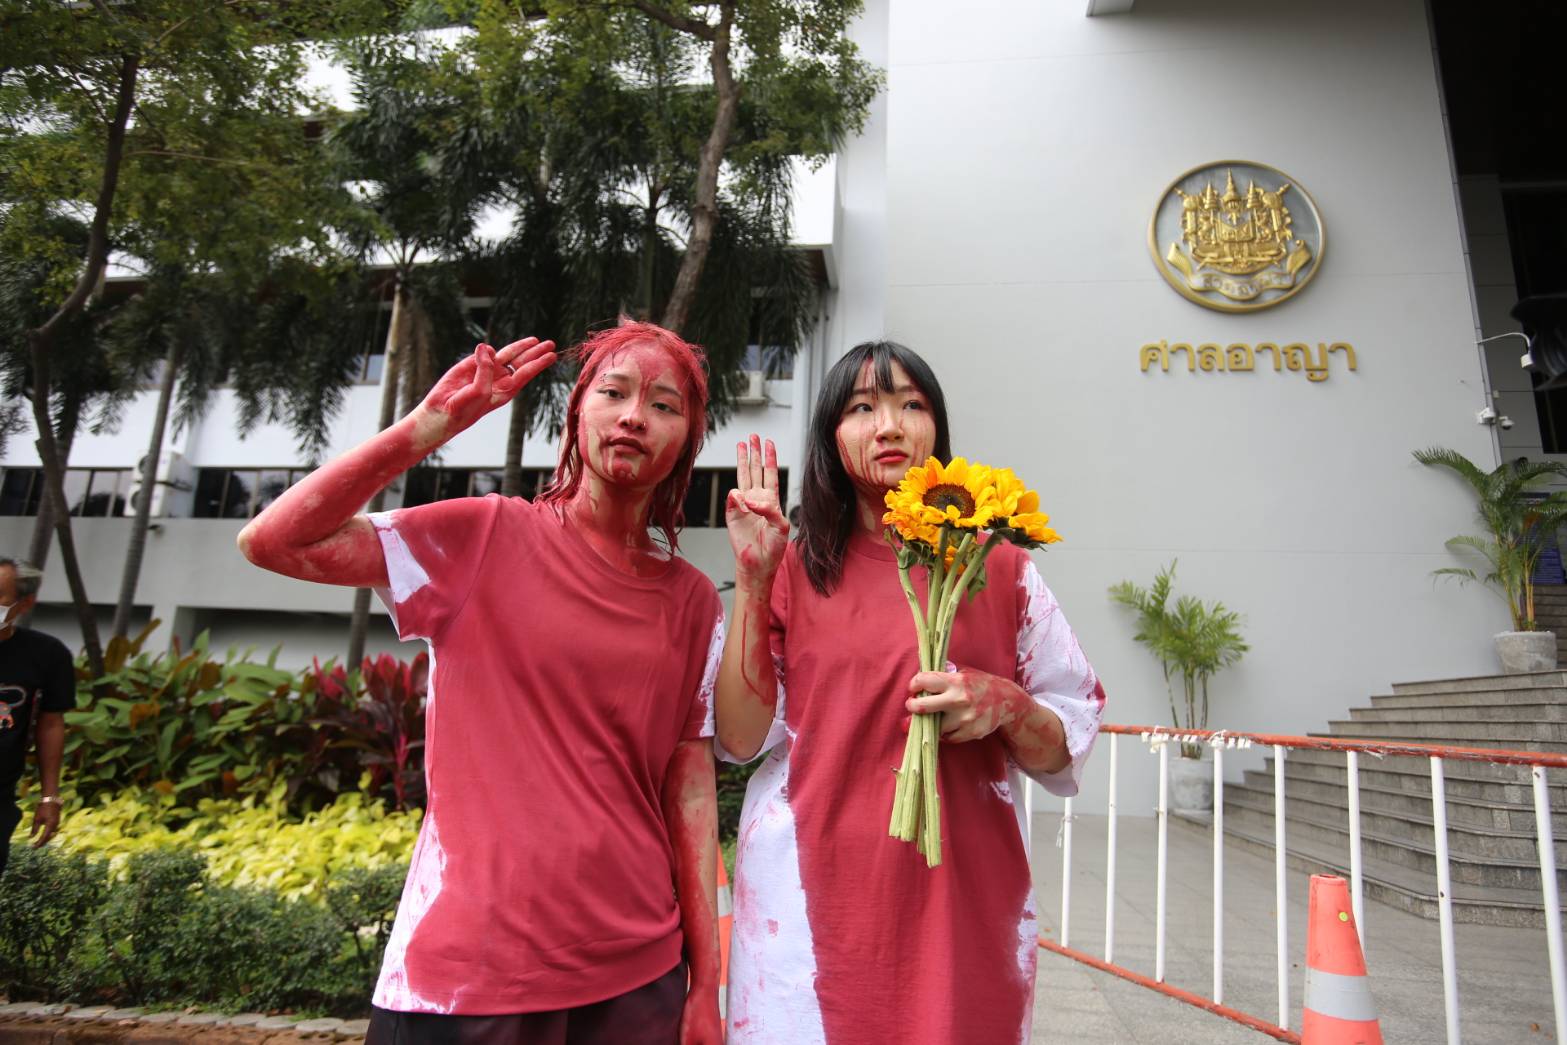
{"x": 700, "y": 1023}
{"x": 758, "y": 531}
{"x": 972, "y": 704}
{"x": 478, "y": 384}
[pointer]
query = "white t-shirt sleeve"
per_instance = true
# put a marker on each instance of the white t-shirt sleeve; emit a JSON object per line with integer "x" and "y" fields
{"x": 1052, "y": 668}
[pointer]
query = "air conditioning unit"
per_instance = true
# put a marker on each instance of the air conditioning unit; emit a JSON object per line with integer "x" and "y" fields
{"x": 172, "y": 476}
{"x": 753, "y": 389}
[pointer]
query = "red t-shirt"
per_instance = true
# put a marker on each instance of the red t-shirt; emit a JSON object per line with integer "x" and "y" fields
{"x": 543, "y": 876}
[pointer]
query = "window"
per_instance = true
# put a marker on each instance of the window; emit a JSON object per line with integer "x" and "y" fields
{"x": 776, "y": 361}
{"x": 709, "y": 492}
{"x": 424, "y": 485}
{"x": 21, "y": 490}
{"x": 240, "y": 493}
{"x": 100, "y": 492}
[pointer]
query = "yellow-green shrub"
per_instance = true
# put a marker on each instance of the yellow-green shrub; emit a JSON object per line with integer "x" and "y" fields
{"x": 251, "y": 841}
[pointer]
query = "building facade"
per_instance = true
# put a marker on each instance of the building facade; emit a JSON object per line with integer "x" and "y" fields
{"x": 995, "y": 215}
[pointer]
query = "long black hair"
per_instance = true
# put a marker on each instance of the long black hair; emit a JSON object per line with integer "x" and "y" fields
{"x": 827, "y": 499}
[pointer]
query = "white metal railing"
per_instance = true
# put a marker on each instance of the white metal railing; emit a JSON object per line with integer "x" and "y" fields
{"x": 1281, "y": 745}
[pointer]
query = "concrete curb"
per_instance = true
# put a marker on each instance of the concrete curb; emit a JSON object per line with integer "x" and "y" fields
{"x": 36, "y": 1023}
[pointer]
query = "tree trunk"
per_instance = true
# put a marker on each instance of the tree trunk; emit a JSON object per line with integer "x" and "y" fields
{"x": 41, "y": 340}
{"x": 516, "y": 433}
{"x": 43, "y": 523}
{"x": 704, "y": 210}
{"x": 136, "y": 549}
{"x": 54, "y": 491}
{"x": 396, "y": 337}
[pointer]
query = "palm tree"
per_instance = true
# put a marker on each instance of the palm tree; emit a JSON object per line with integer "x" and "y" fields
{"x": 418, "y": 216}
{"x": 1518, "y": 521}
{"x": 1193, "y": 641}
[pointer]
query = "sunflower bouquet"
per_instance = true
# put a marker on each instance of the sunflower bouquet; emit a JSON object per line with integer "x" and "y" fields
{"x": 937, "y": 518}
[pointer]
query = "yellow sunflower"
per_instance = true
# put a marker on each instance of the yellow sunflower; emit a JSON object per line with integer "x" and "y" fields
{"x": 1033, "y": 526}
{"x": 933, "y": 494}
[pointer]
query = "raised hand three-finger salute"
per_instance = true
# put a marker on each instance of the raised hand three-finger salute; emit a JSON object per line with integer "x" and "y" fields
{"x": 758, "y": 531}
{"x": 313, "y": 531}
{"x": 746, "y": 694}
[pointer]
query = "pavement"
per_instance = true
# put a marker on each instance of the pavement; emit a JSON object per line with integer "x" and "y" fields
{"x": 1504, "y": 992}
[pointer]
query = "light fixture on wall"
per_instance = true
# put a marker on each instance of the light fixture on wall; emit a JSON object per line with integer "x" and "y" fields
{"x": 1489, "y": 417}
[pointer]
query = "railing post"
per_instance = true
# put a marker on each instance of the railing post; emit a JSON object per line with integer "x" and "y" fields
{"x": 1553, "y": 911}
{"x": 1164, "y": 839}
{"x": 1218, "y": 873}
{"x": 1280, "y": 895}
{"x": 1356, "y": 881}
{"x": 1110, "y": 860}
{"x": 1444, "y": 900}
{"x": 1066, "y": 875}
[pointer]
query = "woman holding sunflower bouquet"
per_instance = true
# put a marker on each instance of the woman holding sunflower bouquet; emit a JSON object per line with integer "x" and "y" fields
{"x": 842, "y": 935}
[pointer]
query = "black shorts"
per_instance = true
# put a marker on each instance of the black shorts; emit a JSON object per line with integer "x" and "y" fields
{"x": 10, "y": 816}
{"x": 648, "y": 1015}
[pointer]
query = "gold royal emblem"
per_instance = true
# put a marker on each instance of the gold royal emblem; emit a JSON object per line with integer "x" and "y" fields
{"x": 1231, "y": 250}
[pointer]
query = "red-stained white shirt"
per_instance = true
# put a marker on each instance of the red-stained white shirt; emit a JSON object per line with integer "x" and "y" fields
{"x": 543, "y": 875}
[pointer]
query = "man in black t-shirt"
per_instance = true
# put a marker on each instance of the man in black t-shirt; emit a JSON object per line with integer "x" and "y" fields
{"x": 37, "y": 687}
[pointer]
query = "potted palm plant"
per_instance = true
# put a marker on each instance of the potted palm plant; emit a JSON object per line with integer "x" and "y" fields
{"x": 1192, "y": 641}
{"x": 1519, "y": 522}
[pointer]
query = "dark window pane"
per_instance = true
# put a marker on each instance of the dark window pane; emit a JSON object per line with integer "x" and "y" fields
{"x": 419, "y": 486}
{"x": 698, "y": 507}
{"x": 726, "y": 481}
{"x": 270, "y": 488}
{"x": 77, "y": 481}
{"x": 236, "y": 495}
{"x": 453, "y": 483}
{"x": 209, "y": 493}
{"x": 101, "y": 490}
{"x": 482, "y": 483}
{"x": 20, "y": 490}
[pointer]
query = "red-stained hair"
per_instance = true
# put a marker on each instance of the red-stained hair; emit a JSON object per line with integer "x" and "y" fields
{"x": 666, "y": 510}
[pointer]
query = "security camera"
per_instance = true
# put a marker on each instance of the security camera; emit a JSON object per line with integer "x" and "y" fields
{"x": 1485, "y": 416}
{"x": 1505, "y": 421}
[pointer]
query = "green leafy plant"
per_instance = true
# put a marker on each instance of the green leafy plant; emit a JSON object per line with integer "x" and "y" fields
{"x": 195, "y": 728}
{"x": 1518, "y": 521}
{"x": 47, "y": 902}
{"x": 1192, "y": 641}
{"x": 166, "y": 933}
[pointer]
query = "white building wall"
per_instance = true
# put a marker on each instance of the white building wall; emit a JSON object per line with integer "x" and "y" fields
{"x": 1026, "y": 147}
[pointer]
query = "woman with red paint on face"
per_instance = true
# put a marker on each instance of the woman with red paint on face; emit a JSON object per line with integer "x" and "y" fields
{"x": 563, "y": 876}
{"x": 842, "y": 935}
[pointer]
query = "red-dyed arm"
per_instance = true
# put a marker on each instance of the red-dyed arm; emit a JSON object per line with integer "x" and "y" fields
{"x": 746, "y": 694}
{"x": 690, "y": 799}
{"x": 975, "y": 704}
{"x": 313, "y": 531}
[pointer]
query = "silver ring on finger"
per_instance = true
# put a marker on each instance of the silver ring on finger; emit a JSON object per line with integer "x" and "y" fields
{"x": 509, "y": 369}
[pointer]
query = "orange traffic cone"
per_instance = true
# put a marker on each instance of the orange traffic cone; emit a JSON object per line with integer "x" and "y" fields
{"x": 726, "y": 918}
{"x": 1338, "y": 1008}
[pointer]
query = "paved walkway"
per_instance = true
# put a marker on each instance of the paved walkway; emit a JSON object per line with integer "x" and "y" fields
{"x": 1503, "y": 976}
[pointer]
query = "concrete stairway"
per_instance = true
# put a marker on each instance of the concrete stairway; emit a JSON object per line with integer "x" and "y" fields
{"x": 1490, "y": 808}
{"x": 1550, "y": 613}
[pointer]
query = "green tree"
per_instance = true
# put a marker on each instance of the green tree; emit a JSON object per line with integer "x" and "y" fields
{"x": 419, "y": 210}
{"x": 647, "y": 151}
{"x": 99, "y": 104}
